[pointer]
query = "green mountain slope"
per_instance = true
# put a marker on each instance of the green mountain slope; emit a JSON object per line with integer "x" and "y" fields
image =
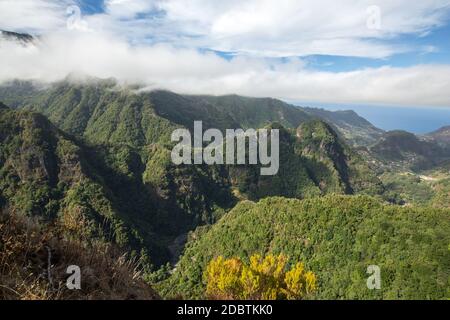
{"x": 257, "y": 112}
{"x": 337, "y": 237}
{"x": 45, "y": 173}
{"x": 103, "y": 112}
{"x": 101, "y": 168}
{"x": 404, "y": 149}
{"x": 16, "y": 93}
{"x": 353, "y": 128}
{"x": 127, "y": 166}
{"x": 134, "y": 198}
{"x": 441, "y": 136}
{"x": 313, "y": 161}
{"x": 98, "y": 112}
{"x": 429, "y": 187}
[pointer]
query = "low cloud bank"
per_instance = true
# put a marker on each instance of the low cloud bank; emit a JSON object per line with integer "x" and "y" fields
{"x": 53, "y": 57}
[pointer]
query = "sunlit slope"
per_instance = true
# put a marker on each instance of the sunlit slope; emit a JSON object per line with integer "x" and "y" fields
{"x": 337, "y": 237}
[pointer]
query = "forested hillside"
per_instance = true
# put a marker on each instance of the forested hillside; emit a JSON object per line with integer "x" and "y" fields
{"x": 108, "y": 190}
{"x": 313, "y": 161}
{"x": 136, "y": 197}
{"x": 337, "y": 237}
{"x": 83, "y": 108}
{"x": 224, "y": 150}
{"x": 102, "y": 114}
{"x": 405, "y": 150}
{"x": 441, "y": 136}
{"x": 99, "y": 170}
{"x": 353, "y": 128}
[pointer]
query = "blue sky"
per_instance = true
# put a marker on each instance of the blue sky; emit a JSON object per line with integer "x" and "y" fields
{"x": 349, "y": 53}
{"x": 91, "y": 7}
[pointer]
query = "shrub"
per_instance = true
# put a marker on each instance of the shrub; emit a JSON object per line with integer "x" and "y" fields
{"x": 263, "y": 279}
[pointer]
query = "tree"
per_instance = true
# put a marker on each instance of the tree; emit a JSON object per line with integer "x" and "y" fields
{"x": 265, "y": 278}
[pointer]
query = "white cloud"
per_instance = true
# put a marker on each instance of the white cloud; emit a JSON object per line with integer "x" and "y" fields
{"x": 272, "y": 28}
{"x": 33, "y": 15}
{"x": 302, "y": 27}
{"x": 165, "y": 36}
{"x": 188, "y": 71}
{"x": 127, "y": 8}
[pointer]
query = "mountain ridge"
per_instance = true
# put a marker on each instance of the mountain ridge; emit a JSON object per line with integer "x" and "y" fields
{"x": 222, "y": 112}
{"x": 128, "y": 167}
{"x": 441, "y": 136}
{"x": 408, "y": 150}
{"x": 352, "y": 126}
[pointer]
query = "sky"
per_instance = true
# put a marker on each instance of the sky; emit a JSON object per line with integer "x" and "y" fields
{"x": 349, "y": 52}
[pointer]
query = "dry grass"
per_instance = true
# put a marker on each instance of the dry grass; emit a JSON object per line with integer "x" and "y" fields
{"x": 25, "y": 247}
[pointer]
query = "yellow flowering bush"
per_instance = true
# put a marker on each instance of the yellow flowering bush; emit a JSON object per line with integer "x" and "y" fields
{"x": 265, "y": 278}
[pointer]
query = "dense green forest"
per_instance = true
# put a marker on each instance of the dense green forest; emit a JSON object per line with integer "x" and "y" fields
{"x": 337, "y": 237}
{"x": 136, "y": 197}
{"x": 91, "y": 162}
{"x": 407, "y": 151}
{"x": 102, "y": 111}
